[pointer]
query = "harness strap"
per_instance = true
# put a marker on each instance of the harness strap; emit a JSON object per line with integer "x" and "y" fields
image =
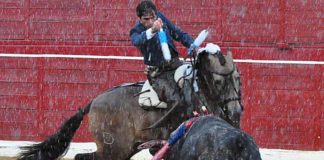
{"x": 181, "y": 130}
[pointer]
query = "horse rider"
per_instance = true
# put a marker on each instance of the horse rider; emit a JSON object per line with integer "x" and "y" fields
{"x": 144, "y": 35}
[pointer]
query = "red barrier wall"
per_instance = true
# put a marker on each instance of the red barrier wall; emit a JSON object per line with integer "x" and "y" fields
{"x": 283, "y": 102}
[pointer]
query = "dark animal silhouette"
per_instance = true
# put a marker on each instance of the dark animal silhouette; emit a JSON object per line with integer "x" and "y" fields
{"x": 212, "y": 138}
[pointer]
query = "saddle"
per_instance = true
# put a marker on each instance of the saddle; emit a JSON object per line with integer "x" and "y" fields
{"x": 148, "y": 98}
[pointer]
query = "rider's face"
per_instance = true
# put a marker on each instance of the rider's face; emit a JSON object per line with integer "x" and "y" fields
{"x": 148, "y": 20}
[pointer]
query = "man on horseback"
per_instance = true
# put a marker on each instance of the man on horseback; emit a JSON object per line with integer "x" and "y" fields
{"x": 160, "y": 67}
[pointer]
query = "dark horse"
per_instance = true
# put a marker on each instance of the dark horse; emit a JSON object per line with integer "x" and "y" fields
{"x": 211, "y": 138}
{"x": 117, "y": 122}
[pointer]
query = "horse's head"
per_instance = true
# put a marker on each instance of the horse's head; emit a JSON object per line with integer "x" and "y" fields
{"x": 231, "y": 100}
{"x": 221, "y": 84}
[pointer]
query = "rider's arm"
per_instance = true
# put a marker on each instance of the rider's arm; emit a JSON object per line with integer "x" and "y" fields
{"x": 176, "y": 33}
{"x": 139, "y": 38}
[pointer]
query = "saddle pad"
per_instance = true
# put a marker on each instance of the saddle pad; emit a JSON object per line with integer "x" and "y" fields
{"x": 149, "y": 98}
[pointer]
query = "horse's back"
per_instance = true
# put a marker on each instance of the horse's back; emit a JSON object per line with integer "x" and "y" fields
{"x": 115, "y": 105}
{"x": 118, "y": 96}
{"x": 212, "y": 138}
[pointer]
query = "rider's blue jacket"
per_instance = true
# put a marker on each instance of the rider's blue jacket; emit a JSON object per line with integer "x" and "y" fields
{"x": 150, "y": 48}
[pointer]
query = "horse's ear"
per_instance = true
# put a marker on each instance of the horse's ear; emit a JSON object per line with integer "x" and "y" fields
{"x": 229, "y": 53}
{"x": 229, "y": 58}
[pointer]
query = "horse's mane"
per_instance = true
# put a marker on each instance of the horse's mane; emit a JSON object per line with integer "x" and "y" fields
{"x": 219, "y": 55}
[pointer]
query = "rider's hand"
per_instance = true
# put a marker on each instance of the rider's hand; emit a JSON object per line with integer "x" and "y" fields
{"x": 195, "y": 51}
{"x": 192, "y": 51}
{"x": 157, "y": 25}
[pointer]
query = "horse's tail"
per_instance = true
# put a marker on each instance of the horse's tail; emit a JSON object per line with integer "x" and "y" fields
{"x": 56, "y": 145}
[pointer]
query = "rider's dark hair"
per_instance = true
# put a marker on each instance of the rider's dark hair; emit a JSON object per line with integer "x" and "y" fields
{"x": 145, "y": 7}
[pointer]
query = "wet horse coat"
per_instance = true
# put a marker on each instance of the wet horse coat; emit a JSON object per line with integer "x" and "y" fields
{"x": 117, "y": 121}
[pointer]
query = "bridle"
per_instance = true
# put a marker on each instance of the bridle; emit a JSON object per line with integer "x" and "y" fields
{"x": 223, "y": 102}
{"x": 231, "y": 84}
{"x": 237, "y": 93}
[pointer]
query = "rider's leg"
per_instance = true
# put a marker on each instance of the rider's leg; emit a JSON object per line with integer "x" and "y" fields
{"x": 166, "y": 88}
